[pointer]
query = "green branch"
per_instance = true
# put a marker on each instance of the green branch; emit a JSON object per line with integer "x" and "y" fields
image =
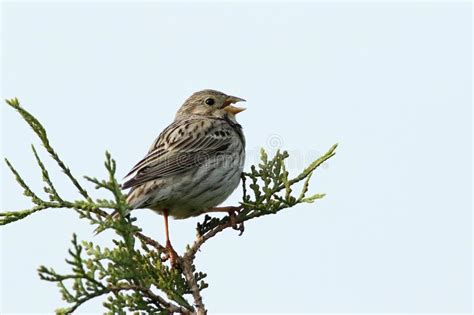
{"x": 133, "y": 275}
{"x": 41, "y": 133}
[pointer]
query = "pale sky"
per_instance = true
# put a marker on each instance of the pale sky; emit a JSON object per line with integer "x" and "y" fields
{"x": 390, "y": 82}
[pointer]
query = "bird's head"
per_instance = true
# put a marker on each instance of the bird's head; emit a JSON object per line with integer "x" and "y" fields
{"x": 210, "y": 103}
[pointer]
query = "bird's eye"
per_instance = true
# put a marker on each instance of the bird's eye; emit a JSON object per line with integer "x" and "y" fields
{"x": 210, "y": 101}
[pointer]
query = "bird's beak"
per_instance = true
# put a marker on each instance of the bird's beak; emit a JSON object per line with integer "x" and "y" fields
{"x": 234, "y": 110}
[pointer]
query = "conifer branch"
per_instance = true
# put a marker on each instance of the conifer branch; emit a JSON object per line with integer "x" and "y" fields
{"x": 133, "y": 275}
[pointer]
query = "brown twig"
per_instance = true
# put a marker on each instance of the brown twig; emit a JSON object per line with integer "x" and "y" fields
{"x": 150, "y": 241}
{"x": 156, "y": 299}
{"x": 187, "y": 261}
{"x": 186, "y": 264}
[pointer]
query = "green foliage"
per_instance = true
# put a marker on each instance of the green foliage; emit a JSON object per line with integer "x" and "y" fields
{"x": 133, "y": 274}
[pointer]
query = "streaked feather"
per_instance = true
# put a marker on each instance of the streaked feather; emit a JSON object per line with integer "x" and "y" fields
{"x": 184, "y": 145}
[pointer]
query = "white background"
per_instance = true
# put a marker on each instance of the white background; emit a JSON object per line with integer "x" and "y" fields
{"x": 390, "y": 82}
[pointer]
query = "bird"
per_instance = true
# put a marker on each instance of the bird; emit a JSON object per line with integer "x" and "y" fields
{"x": 194, "y": 164}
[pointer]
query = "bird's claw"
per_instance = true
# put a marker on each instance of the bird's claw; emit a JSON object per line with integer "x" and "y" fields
{"x": 233, "y": 213}
{"x": 170, "y": 254}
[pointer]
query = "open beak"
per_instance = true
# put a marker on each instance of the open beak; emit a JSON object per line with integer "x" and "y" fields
{"x": 234, "y": 110}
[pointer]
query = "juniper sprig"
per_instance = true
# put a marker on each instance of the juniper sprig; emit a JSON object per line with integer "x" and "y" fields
{"x": 132, "y": 275}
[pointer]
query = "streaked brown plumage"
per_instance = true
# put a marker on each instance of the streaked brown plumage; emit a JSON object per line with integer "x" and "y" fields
{"x": 195, "y": 163}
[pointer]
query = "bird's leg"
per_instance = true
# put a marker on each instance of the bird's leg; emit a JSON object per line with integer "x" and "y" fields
{"x": 233, "y": 212}
{"x": 171, "y": 252}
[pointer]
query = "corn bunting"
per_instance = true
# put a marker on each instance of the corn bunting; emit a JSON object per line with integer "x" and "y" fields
{"x": 194, "y": 164}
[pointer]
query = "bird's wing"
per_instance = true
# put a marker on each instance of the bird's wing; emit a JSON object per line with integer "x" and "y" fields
{"x": 180, "y": 147}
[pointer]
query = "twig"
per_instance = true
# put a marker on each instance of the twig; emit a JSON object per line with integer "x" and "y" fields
{"x": 150, "y": 241}
{"x": 158, "y": 300}
{"x": 186, "y": 264}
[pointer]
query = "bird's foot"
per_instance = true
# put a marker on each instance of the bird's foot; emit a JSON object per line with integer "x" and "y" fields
{"x": 233, "y": 213}
{"x": 171, "y": 255}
